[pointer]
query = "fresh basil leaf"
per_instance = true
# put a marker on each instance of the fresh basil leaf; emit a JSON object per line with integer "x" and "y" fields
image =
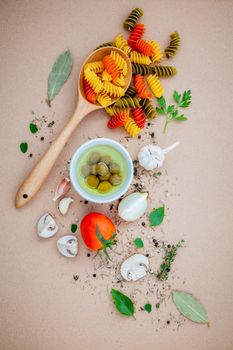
{"x": 160, "y": 110}
{"x": 73, "y": 228}
{"x": 176, "y": 96}
{"x": 189, "y": 306}
{"x": 60, "y": 72}
{"x": 24, "y": 147}
{"x": 138, "y": 242}
{"x": 148, "y": 308}
{"x": 33, "y": 128}
{"x": 181, "y": 118}
{"x": 122, "y": 303}
{"x": 156, "y": 216}
{"x": 170, "y": 108}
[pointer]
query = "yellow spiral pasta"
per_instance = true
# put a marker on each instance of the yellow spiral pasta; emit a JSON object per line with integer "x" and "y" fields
{"x": 106, "y": 76}
{"x": 120, "y": 81}
{"x": 113, "y": 90}
{"x": 112, "y": 110}
{"x": 131, "y": 127}
{"x": 93, "y": 80}
{"x": 96, "y": 66}
{"x": 103, "y": 99}
{"x": 122, "y": 44}
{"x": 136, "y": 57}
{"x": 120, "y": 62}
{"x": 158, "y": 55}
{"x": 155, "y": 85}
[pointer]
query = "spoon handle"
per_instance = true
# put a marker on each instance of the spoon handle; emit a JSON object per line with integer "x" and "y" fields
{"x": 41, "y": 170}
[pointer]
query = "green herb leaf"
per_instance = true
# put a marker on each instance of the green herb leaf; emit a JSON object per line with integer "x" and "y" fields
{"x": 138, "y": 242}
{"x": 170, "y": 108}
{"x": 156, "y": 216}
{"x": 73, "y": 228}
{"x": 123, "y": 303}
{"x": 159, "y": 110}
{"x": 157, "y": 305}
{"x": 181, "y": 118}
{"x": 59, "y": 74}
{"x": 175, "y": 114}
{"x": 189, "y": 306}
{"x": 176, "y": 96}
{"x": 186, "y": 99}
{"x": 33, "y": 128}
{"x": 24, "y": 147}
{"x": 148, "y": 308}
{"x": 162, "y": 102}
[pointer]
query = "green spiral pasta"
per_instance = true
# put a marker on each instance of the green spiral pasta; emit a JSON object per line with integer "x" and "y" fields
{"x": 109, "y": 43}
{"x": 148, "y": 109}
{"x": 173, "y": 46}
{"x": 128, "y": 102}
{"x": 163, "y": 71}
{"x": 130, "y": 92}
{"x": 142, "y": 69}
{"x": 132, "y": 19}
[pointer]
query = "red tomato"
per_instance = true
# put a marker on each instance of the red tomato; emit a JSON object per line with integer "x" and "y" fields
{"x": 101, "y": 239}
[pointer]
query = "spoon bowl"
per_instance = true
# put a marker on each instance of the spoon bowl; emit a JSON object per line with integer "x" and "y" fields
{"x": 35, "y": 179}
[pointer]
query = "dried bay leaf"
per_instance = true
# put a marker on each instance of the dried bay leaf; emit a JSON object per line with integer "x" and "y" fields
{"x": 60, "y": 72}
{"x": 189, "y": 307}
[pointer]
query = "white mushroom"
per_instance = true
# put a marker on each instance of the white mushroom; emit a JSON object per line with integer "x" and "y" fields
{"x": 151, "y": 156}
{"x": 64, "y": 205}
{"x": 68, "y": 246}
{"x": 46, "y": 226}
{"x": 135, "y": 267}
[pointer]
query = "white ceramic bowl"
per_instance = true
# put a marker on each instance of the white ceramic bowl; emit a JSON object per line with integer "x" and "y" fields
{"x": 106, "y": 198}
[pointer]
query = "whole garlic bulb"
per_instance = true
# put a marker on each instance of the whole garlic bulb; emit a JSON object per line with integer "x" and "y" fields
{"x": 152, "y": 156}
{"x": 133, "y": 206}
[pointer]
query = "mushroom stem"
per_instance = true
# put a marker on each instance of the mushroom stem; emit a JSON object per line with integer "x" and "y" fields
{"x": 168, "y": 149}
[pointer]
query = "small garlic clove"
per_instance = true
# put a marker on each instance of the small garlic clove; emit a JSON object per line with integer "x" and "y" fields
{"x": 134, "y": 268}
{"x": 62, "y": 188}
{"x": 46, "y": 226}
{"x": 133, "y": 206}
{"x": 68, "y": 246}
{"x": 64, "y": 205}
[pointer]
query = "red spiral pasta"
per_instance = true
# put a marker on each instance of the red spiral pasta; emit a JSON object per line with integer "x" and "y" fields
{"x": 144, "y": 47}
{"x": 111, "y": 67}
{"x": 118, "y": 120}
{"x": 139, "y": 117}
{"x": 89, "y": 92}
{"x": 140, "y": 87}
{"x": 136, "y": 34}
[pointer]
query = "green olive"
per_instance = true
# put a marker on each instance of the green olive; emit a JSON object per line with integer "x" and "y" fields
{"x": 114, "y": 168}
{"x": 106, "y": 177}
{"x": 94, "y": 158}
{"x": 93, "y": 169}
{"x": 104, "y": 187}
{"x": 106, "y": 159}
{"x": 86, "y": 170}
{"x": 92, "y": 181}
{"x": 115, "y": 179}
{"x": 102, "y": 169}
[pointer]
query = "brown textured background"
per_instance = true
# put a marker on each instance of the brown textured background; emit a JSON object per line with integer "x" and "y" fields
{"x": 41, "y": 306}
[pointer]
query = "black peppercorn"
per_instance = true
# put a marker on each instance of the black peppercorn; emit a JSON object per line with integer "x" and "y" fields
{"x": 42, "y": 138}
{"x": 94, "y": 275}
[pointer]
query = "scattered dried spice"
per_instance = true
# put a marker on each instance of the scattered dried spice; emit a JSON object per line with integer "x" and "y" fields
{"x": 75, "y": 277}
{"x": 51, "y": 124}
{"x": 168, "y": 259}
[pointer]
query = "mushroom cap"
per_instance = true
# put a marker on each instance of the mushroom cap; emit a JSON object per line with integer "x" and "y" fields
{"x": 135, "y": 267}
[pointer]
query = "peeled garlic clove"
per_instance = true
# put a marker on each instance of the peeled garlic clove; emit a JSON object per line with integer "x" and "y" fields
{"x": 68, "y": 246}
{"x": 151, "y": 157}
{"x": 46, "y": 226}
{"x": 64, "y": 205}
{"x": 135, "y": 267}
{"x": 62, "y": 188}
{"x": 133, "y": 206}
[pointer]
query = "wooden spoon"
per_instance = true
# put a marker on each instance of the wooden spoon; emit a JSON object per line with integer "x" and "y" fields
{"x": 41, "y": 170}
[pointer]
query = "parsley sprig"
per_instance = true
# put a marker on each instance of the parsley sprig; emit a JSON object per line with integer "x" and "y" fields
{"x": 172, "y": 112}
